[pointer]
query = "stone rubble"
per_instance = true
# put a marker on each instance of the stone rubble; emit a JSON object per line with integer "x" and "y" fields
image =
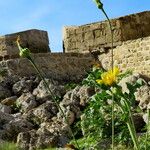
{"x": 29, "y": 116}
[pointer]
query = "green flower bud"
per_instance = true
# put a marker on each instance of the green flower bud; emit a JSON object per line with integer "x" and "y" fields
{"x": 25, "y": 52}
{"x": 99, "y": 4}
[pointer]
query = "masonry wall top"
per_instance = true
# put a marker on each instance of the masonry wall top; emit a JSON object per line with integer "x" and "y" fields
{"x": 35, "y": 40}
{"x": 97, "y": 35}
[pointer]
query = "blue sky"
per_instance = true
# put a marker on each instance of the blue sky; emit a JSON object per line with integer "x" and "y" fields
{"x": 52, "y": 15}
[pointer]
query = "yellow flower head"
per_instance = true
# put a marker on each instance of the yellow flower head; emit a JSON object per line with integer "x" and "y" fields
{"x": 109, "y": 77}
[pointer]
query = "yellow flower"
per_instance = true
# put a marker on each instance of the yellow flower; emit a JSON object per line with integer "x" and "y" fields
{"x": 109, "y": 77}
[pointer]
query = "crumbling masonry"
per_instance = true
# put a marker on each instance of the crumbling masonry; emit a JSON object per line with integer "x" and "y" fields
{"x": 131, "y": 48}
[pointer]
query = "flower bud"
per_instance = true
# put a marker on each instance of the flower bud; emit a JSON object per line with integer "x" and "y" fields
{"x": 99, "y": 4}
{"x": 25, "y": 52}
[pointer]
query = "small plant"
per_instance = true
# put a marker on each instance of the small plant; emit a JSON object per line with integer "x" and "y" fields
{"x": 25, "y": 53}
{"x": 96, "y": 119}
{"x": 123, "y": 100}
{"x": 100, "y": 6}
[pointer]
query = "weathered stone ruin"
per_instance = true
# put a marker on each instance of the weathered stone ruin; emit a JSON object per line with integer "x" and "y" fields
{"x": 36, "y": 40}
{"x": 131, "y": 41}
{"x": 28, "y": 115}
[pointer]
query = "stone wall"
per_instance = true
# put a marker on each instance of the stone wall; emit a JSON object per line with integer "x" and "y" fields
{"x": 131, "y": 49}
{"x": 59, "y": 66}
{"x": 35, "y": 40}
{"x": 97, "y": 36}
{"x": 132, "y": 54}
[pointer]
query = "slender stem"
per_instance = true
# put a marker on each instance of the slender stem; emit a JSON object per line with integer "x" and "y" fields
{"x": 130, "y": 122}
{"x": 147, "y": 133}
{"x": 53, "y": 98}
{"x": 112, "y": 66}
{"x": 131, "y": 126}
{"x": 134, "y": 130}
{"x": 131, "y": 133}
{"x": 112, "y": 39}
{"x": 113, "y": 123}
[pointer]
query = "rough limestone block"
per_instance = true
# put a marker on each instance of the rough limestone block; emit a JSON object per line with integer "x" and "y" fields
{"x": 36, "y": 40}
{"x": 132, "y": 54}
{"x": 59, "y": 66}
{"x": 135, "y": 26}
{"x": 97, "y": 35}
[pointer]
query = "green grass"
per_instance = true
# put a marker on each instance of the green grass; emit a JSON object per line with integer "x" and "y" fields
{"x": 8, "y": 146}
{"x": 12, "y": 146}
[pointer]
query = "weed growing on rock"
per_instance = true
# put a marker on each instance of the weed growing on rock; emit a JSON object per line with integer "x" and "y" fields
{"x": 25, "y": 53}
{"x": 100, "y": 6}
{"x": 96, "y": 119}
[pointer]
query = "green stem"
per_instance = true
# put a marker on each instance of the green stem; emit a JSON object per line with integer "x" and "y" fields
{"x": 53, "y": 98}
{"x": 113, "y": 123}
{"x": 112, "y": 66}
{"x": 131, "y": 133}
{"x": 131, "y": 126}
{"x": 147, "y": 133}
{"x": 112, "y": 38}
{"x": 130, "y": 122}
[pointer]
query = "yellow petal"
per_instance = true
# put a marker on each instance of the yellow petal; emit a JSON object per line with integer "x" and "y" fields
{"x": 99, "y": 81}
{"x": 109, "y": 77}
{"x": 116, "y": 71}
{"x": 104, "y": 75}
